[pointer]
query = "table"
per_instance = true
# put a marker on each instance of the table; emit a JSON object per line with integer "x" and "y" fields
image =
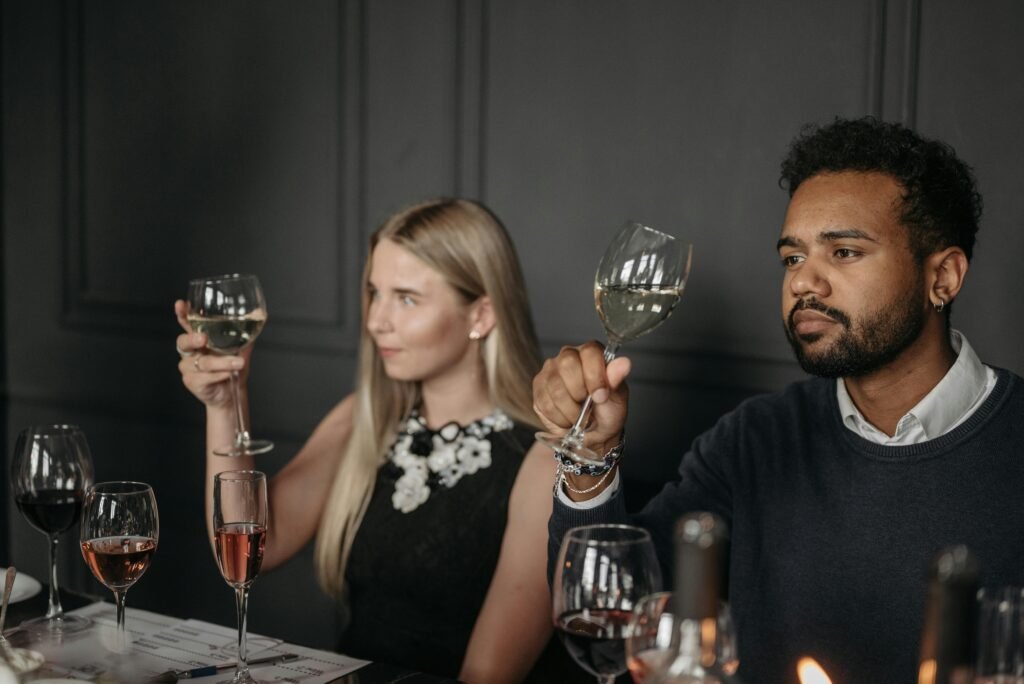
{"x": 369, "y": 673}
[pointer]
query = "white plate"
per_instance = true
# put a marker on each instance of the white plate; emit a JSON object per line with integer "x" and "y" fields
{"x": 25, "y": 587}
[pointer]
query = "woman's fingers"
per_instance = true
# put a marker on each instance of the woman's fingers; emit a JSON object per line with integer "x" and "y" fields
{"x": 210, "y": 364}
{"x": 181, "y": 313}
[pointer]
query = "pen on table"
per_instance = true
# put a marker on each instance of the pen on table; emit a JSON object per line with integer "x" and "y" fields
{"x": 214, "y": 669}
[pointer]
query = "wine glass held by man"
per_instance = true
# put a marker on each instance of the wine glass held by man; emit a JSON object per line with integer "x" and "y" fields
{"x": 422, "y": 487}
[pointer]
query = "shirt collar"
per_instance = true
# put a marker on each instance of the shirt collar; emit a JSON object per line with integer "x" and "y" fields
{"x": 942, "y": 409}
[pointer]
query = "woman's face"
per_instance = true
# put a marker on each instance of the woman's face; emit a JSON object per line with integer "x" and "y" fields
{"x": 419, "y": 322}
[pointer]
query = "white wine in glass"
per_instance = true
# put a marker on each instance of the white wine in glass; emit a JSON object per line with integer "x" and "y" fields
{"x": 231, "y": 311}
{"x": 637, "y": 285}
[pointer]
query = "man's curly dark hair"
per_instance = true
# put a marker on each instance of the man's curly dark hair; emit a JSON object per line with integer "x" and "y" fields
{"x": 941, "y": 205}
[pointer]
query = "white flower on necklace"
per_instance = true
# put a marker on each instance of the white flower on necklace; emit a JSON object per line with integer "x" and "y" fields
{"x": 455, "y": 451}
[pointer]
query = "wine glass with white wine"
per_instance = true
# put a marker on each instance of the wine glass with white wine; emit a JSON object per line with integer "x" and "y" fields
{"x": 231, "y": 311}
{"x": 638, "y": 283}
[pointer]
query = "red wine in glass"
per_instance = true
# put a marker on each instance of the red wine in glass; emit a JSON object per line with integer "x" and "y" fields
{"x": 591, "y": 615}
{"x": 51, "y": 511}
{"x": 50, "y": 471}
{"x": 596, "y": 639}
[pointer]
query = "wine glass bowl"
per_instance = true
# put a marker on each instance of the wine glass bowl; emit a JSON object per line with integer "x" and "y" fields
{"x": 639, "y": 281}
{"x": 50, "y": 472}
{"x": 636, "y": 287}
{"x": 119, "y": 535}
{"x": 231, "y": 311}
{"x": 240, "y": 512}
{"x": 601, "y": 573}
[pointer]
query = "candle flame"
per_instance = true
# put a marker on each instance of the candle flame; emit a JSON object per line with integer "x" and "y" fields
{"x": 810, "y": 672}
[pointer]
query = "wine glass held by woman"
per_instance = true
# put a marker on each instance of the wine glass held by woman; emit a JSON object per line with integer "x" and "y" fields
{"x": 423, "y": 488}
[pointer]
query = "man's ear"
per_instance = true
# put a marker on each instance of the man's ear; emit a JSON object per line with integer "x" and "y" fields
{"x": 946, "y": 271}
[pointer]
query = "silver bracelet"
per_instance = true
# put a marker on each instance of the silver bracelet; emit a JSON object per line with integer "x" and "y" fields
{"x": 597, "y": 484}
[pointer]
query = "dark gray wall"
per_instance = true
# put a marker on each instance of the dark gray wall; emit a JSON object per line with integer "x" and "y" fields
{"x": 145, "y": 143}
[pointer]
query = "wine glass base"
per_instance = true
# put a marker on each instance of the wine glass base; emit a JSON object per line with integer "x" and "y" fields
{"x": 574, "y": 450}
{"x": 256, "y": 646}
{"x": 56, "y": 626}
{"x": 253, "y": 448}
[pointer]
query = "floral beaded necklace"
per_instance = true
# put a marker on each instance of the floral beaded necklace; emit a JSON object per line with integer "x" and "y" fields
{"x": 423, "y": 459}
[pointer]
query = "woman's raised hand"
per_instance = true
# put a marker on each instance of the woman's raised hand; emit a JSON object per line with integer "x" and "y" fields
{"x": 204, "y": 374}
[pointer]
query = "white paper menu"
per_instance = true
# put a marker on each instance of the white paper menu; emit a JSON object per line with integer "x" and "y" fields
{"x": 160, "y": 643}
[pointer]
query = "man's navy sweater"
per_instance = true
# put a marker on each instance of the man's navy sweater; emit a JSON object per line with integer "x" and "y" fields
{"x": 833, "y": 535}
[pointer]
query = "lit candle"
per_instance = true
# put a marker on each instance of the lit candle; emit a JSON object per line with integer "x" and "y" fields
{"x": 810, "y": 672}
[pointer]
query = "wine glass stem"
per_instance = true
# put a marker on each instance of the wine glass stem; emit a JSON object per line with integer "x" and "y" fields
{"x": 55, "y": 610}
{"x": 605, "y": 679}
{"x": 122, "y": 638}
{"x": 241, "y": 433}
{"x": 242, "y": 602}
{"x": 575, "y": 434}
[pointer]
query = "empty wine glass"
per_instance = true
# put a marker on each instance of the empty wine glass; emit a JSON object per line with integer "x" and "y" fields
{"x": 654, "y": 629}
{"x": 231, "y": 311}
{"x": 50, "y": 472}
{"x": 638, "y": 282}
{"x": 240, "y": 533}
{"x": 119, "y": 535}
{"x": 601, "y": 573}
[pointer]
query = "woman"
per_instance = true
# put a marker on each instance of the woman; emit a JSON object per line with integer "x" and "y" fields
{"x": 424, "y": 488}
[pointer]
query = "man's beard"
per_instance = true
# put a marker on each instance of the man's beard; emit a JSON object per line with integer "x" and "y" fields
{"x": 877, "y": 340}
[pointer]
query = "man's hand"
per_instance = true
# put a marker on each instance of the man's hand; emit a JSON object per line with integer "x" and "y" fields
{"x": 564, "y": 383}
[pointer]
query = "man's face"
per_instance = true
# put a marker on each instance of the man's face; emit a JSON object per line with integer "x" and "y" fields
{"x": 853, "y": 297}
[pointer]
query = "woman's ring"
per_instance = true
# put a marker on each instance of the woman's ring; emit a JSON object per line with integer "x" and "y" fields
{"x": 195, "y": 362}
{"x": 182, "y": 353}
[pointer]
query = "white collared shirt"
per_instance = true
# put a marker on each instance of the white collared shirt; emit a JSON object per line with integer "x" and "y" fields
{"x": 963, "y": 389}
{"x": 958, "y": 395}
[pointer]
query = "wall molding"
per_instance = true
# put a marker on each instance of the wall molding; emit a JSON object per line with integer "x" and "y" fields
{"x": 87, "y": 310}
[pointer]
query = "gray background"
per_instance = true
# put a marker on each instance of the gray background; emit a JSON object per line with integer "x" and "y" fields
{"x": 146, "y": 143}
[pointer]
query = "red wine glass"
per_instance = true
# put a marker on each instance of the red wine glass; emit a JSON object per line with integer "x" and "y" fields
{"x": 601, "y": 573}
{"x": 240, "y": 533}
{"x": 50, "y": 473}
{"x": 119, "y": 535}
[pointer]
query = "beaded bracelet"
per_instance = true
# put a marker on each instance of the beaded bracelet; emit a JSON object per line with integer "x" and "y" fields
{"x": 568, "y": 465}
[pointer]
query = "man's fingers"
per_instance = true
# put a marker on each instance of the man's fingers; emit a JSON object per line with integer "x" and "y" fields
{"x": 618, "y": 370}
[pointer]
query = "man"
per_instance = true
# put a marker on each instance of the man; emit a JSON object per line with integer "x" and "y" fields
{"x": 840, "y": 489}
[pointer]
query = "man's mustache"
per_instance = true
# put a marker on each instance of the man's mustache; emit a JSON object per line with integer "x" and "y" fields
{"x": 814, "y": 305}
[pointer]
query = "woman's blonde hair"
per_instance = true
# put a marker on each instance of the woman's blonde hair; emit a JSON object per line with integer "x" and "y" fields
{"x": 464, "y": 242}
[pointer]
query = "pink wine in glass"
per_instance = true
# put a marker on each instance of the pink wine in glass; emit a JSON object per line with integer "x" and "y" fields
{"x": 240, "y": 552}
{"x": 118, "y": 562}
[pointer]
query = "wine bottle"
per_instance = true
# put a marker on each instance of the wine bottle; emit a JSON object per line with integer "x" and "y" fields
{"x": 701, "y": 551}
{"x": 948, "y": 637}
